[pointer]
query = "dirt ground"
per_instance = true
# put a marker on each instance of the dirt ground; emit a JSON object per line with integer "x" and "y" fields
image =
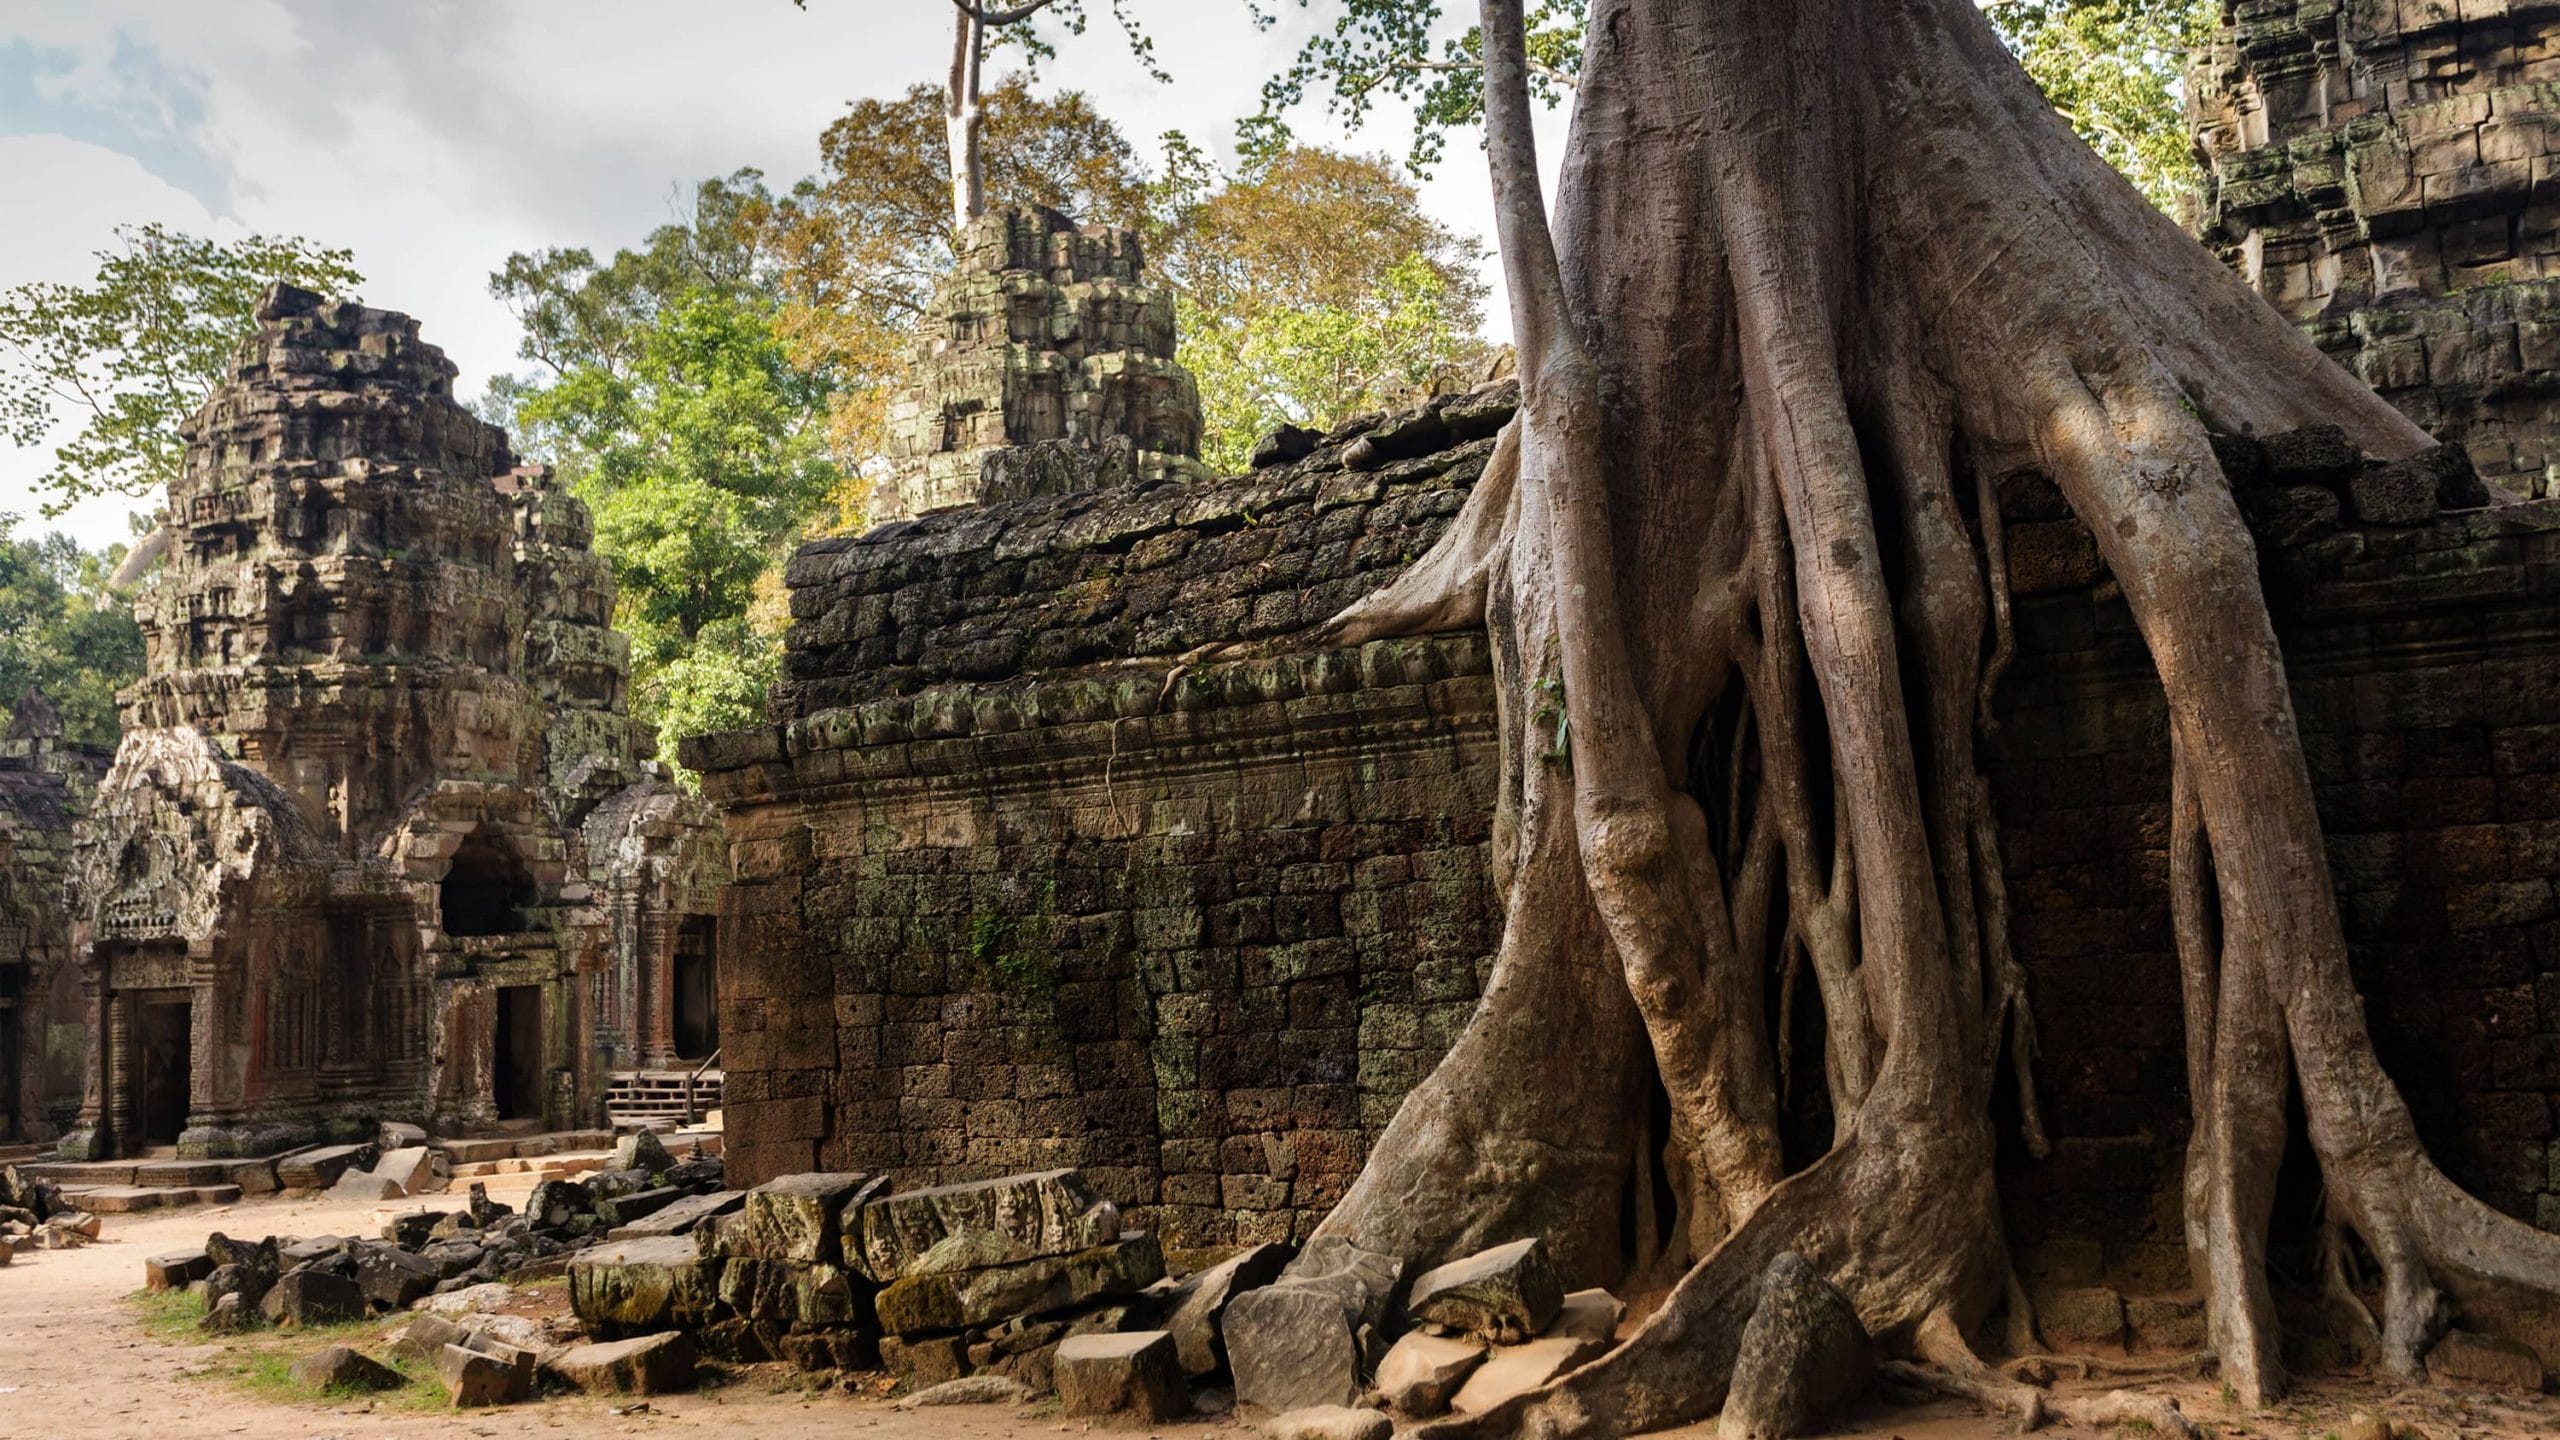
{"x": 76, "y": 1362}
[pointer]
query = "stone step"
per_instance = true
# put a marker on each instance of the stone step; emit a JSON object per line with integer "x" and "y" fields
{"x": 134, "y": 1199}
{"x": 170, "y": 1174}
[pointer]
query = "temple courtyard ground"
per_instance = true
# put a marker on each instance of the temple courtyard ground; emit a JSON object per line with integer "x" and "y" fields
{"x": 82, "y": 1359}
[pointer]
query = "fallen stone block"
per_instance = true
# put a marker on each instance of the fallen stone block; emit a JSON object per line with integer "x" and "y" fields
{"x": 523, "y": 1362}
{"x": 341, "y": 1369}
{"x": 1587, "y": 1315}
{"x": 1109, "y": 1374}
{"x": 410, "y": 1229}
{"x": 304, "y": 1298}
{"x": 682, "y": 1217}
{"x": 636, "y": 1285}
{"x": 1292, "y": 1344}
{"x": 1009, "y": 1221}
{"x": 470, "y": 1299}
{"x": 1504, "y": 1294}
{"x": 554, "y": 1203}
{"x": 636, "y": 1206}
{"x": 970, "y": 1390}
{"x": 1514, "y": 1370}
{"x": 425, "y": 1335}
{"x": 366, "y": 1186}
{"x": 412, "y": 1168}
{"x": 319, "y": 1167}
{"x": 924, "y": 1360}
{"x": 228, "y": 1314}
{"x": 798, "y": 1217}
{"x": 399, "y": 1135}
{"x": 1803, "y": 1353}
{"x": 658, "y": 1364}
{"x": 1328, "y": 1422}
{"x": 473, "y": 1379}
{"x": 1198, "y": 1305}
{"x": 958, "y": 1300}
{"x": 1422, "y": 1371}
{"x": 391, "y": 1277}
{"x": 641, "y": 1150}
{"x": 176, "y": 1270}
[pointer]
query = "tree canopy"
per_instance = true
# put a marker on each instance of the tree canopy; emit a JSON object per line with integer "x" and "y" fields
{"x": 64, "y": 632}
{"x": 2116, "y": 69}
{"x": 666, "y": 396}
{"x": 136, "y": 351}
{"x": 1309, "y": 286}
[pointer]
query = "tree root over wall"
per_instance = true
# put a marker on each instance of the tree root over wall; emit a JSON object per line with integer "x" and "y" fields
{"x": 1821, "y": 272}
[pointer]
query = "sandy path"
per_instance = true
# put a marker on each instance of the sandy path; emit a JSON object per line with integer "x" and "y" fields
{"x": 76, "y": 1364}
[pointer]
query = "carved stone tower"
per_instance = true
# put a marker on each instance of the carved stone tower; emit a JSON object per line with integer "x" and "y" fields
{"x": 2387, "y": 172}
{"x": 381, "y": 839}
{"x": 1044, "y": 364}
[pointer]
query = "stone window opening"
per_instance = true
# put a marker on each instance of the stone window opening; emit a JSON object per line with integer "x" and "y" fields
{"x": 487, "y": 890}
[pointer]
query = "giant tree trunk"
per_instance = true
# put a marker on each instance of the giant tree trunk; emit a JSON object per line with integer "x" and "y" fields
{"x": 1820, "y": 272}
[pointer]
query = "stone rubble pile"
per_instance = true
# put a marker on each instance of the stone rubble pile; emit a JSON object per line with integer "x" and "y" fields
{"x": 1029, "y": 1284}
{"x": 452, "y": 1264}
{"x": 35, "y": 1216}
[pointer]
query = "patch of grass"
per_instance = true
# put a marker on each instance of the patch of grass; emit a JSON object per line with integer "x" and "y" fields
{"x": 260, "y": 1362}
{"x": 168, "y": 1315}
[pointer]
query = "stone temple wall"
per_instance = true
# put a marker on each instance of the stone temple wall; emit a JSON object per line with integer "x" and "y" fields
{"x": 1017, "y": 887}
{"x": 45, "y": 785}
{"x": 2387, "y": 172}
{"x": 1011, "y": 893}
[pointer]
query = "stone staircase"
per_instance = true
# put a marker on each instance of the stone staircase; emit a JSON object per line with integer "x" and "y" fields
{"x": 655, "y": 1099}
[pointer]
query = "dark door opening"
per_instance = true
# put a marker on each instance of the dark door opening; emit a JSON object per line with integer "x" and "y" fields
{"x": 516, "y": 1058}
{"x": 697, "y": 986}
{"x": 167, "y": 1067}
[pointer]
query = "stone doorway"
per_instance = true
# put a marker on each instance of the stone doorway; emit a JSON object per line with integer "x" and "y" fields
{"x": 516, "y": 1057}
{"x": 165, "y": 1059}
{"x": 697, "y": 988}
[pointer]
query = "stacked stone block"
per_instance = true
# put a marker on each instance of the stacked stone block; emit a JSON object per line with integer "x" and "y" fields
{"x": 2387, "y": 173}
{"x": 1045, "y": 337}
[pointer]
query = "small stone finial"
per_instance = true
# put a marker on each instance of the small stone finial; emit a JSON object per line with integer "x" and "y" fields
{"x": 33, "y": 717}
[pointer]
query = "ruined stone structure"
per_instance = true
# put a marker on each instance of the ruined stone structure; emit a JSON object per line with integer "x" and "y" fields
{"x": 1044, "y": 364}
{"x": 381, "y": 840}
{"x": 1023, "y": 881}
{"x": 2387, "y": 172}
{"x": 45, "y": 783}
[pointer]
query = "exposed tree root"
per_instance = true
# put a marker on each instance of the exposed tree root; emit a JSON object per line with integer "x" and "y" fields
{"x": 1952, "y": 1368}
{"x": 1813, "y": 261}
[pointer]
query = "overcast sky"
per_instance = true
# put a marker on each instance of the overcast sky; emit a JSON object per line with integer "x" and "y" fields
{"x": 433, "y": 137}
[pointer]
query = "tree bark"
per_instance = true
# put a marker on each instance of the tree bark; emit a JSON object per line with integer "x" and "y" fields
{"x": 964, "y": 119}
{"x": 1818, "y": 272}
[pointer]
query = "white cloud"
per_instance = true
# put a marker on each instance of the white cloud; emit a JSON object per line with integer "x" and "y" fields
{"x": 433, "y": 137}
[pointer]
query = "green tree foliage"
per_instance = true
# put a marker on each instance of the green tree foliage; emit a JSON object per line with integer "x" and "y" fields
{"x": 2116, "y": 69}
{"x": 1385, "y": 48}
{"x": 667, "y": 399}
{"x": 1310, "y": 286}
{"x": 64, "y": 632}
{"x": 135, "y": 352}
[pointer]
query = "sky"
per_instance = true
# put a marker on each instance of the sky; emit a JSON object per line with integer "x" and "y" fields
{"x": 434, "y": 137}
